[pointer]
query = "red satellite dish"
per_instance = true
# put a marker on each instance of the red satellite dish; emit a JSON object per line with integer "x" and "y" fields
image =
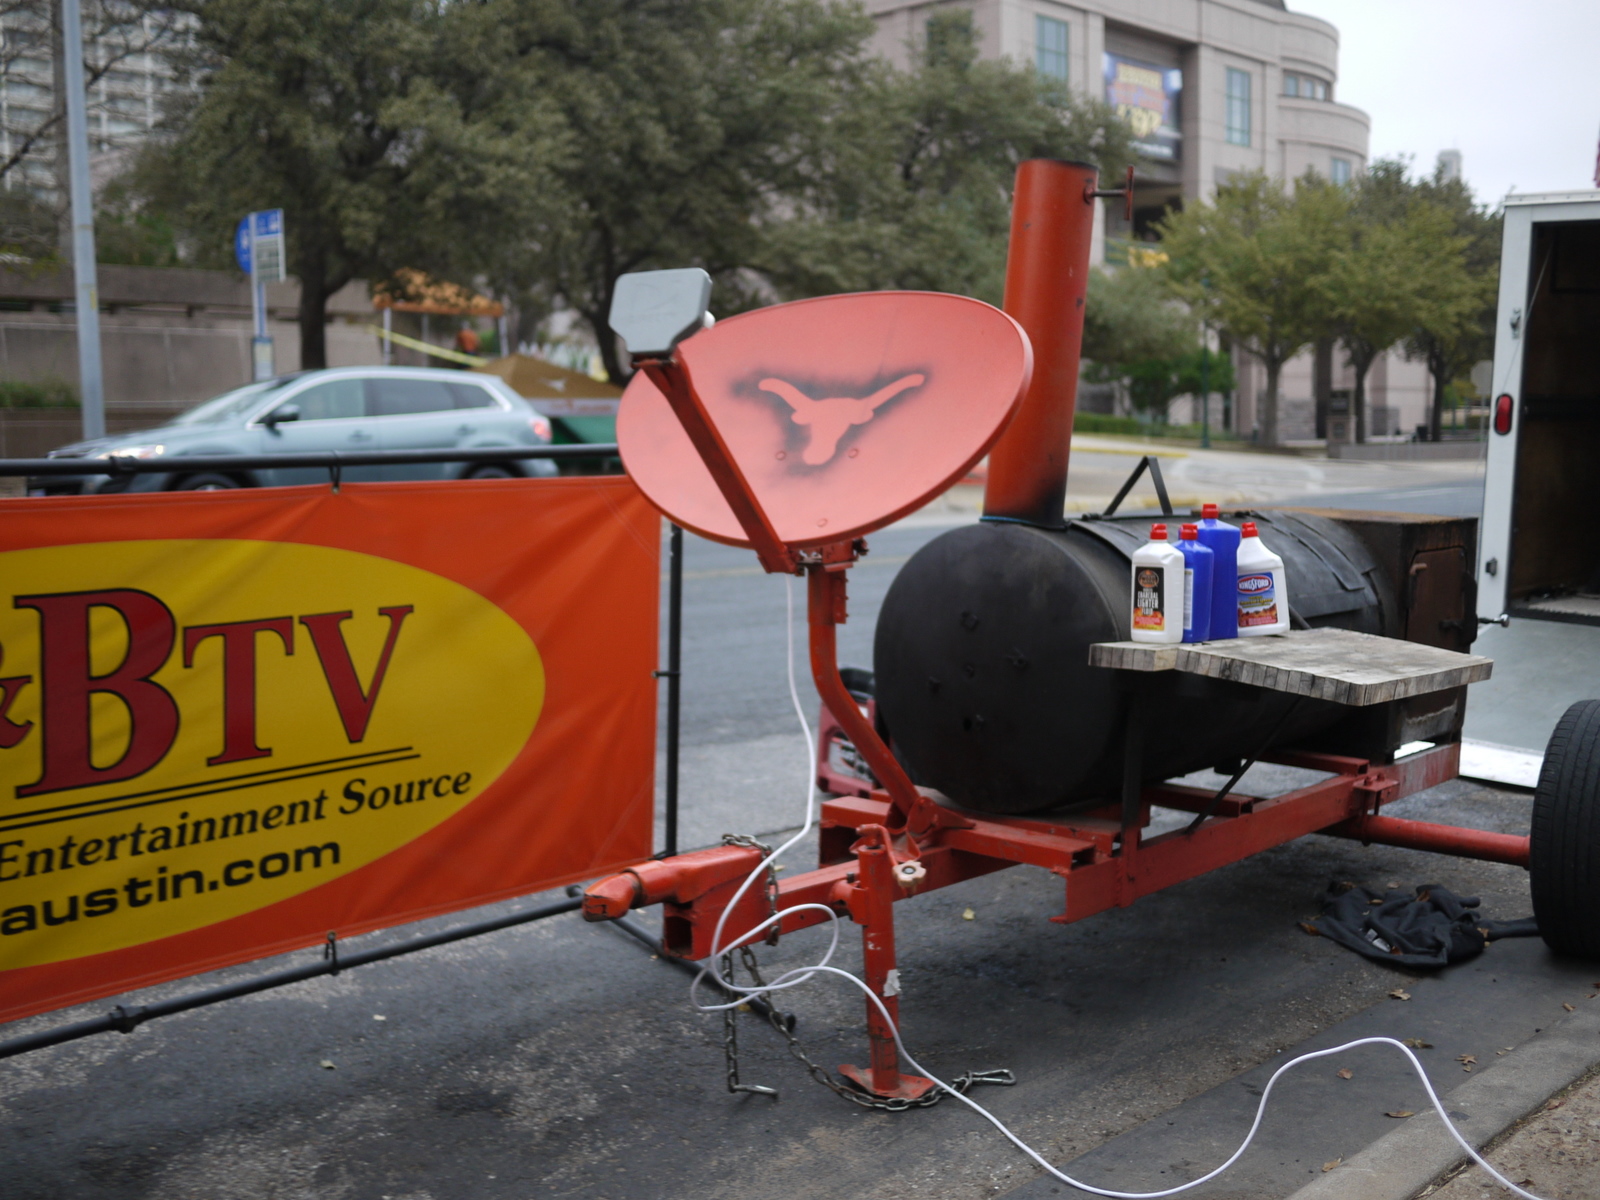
{"x": 845, "y": 413}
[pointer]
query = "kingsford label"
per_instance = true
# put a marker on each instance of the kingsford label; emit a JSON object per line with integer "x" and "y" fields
{"x": 1249, "y": 585}
{"x": 192, "y": 730}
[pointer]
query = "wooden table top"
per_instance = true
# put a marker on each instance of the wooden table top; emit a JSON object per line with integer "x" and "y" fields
{"x": 1325, "y": 664}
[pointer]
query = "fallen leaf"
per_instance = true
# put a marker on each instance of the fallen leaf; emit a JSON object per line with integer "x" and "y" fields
{"x": 1569, "y": 1007}
{"x": 969, "y": 915}
{"x": 1466, "y": 1058}
{"x": 1393, "y": 886}
{"x": 1467, "y": 1068}
{"x": 326, "y": 1065}
{"x": 1554, "y": 1104}
{"x": 1418, "y": 1044}
{"x": 379, "y": 1017}
{"x": 1375, "y": 900}
{"x": 1498, "y": 1053}
{"x": 1328, "y": 1166}
{"x": 1345, "y": 1073}
{"x": 1400, "y": 994}
{"x": 1310, "y": 928}
{"x": 1400, "y": 1112}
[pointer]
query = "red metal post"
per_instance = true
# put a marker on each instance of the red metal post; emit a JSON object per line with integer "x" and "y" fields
{"x": 1047, "y": 276}
{"x": 671, "y": 376}
{"x": 872, "y": 904}
{"x": 1441, "y": 839}
{"x": 825, "y": 609}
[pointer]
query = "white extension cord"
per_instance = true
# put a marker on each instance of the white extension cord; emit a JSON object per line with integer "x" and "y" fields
{"x": 799, "y": 975}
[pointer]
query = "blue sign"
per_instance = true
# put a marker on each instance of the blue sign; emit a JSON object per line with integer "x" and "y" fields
{"x": 256, "y": 227}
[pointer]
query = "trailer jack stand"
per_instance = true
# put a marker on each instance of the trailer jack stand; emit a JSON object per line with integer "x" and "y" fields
{"x": 872, "y": 904}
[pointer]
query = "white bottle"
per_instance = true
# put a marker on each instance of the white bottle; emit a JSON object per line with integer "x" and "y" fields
{"x": 1263, "y": 589}
{"x": 1158, "y": 576}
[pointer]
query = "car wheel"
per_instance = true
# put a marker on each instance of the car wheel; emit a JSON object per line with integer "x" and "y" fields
{"x": 1564, "y": 851}
{"x": 492, "y": 471}
{"x": 209, "y": 482}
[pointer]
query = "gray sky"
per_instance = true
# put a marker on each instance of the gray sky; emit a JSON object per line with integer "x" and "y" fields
{"x": 1513, "y": 84}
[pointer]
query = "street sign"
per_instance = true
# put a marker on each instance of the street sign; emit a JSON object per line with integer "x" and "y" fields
{"x": 258, "y": 243}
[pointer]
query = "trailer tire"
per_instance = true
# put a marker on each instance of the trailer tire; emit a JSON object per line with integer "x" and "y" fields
{"x": 1564, "y": 847}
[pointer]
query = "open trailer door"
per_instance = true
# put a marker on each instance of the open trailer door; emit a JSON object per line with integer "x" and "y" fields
{"x": 1536, "y": 558}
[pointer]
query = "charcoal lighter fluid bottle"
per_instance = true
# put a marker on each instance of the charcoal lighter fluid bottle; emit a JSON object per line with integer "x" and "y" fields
{"x": 1157, "y": 590}
{"x": 1263, "y": 599}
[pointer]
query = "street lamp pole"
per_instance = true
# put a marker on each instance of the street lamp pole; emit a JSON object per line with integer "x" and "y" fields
{"x": 1205, "y": 386}
{"x": 84, "y": 274}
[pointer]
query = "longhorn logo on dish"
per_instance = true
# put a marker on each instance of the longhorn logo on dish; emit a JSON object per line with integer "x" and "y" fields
{"x": 830, "y": 419}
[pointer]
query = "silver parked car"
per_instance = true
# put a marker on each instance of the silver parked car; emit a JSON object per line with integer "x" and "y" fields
{"x": 342, "y": 408}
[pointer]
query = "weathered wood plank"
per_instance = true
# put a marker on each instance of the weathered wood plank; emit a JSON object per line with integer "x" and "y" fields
{"x": 1325, "y": 664}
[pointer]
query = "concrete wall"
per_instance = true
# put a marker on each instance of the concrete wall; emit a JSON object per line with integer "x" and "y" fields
{"x": 169, "y": 337}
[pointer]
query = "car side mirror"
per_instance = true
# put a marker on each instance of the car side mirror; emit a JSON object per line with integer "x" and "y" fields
{"x": 281, "y": 414}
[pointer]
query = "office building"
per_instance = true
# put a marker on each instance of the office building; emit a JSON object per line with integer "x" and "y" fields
{"x": 1212, "y": 88}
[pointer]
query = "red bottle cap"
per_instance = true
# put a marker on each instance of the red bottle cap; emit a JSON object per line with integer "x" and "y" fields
{"x": 1158, "y": 533}
{"x": 1248, "y": 529}
{"x": 1208, "y": 512}
{"x": 1189, "y": 533}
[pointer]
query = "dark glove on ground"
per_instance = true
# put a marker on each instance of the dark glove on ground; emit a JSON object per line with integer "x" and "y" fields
{"x": 1430, "y": 928}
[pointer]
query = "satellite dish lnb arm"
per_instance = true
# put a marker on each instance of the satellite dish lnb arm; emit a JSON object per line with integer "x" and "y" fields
{"x": 652, "y": 311}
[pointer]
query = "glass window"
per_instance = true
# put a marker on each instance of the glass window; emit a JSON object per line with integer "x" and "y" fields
{"x": 404, "y": 397}
{"x": 338, "y": 399}
{"x": 1050, "y": 47}
{"x": 1238, "y": 107}
{"x": 471, "y": 395}
{"x": 1339, "y": 170}
{"x": 1291, "y": 85}
{"x": 231, "y": 405}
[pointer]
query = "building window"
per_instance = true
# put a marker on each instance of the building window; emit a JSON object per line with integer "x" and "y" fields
{"x": 1304, "y": 86}
{"x": 1050, "y": 47}
{"x": 1339, "y": 171}
{"x": 1238, "y": 107}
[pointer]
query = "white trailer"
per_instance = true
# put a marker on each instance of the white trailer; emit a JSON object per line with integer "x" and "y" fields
{"x": 1538, "y": 554}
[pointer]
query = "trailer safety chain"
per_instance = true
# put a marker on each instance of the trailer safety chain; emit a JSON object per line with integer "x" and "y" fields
{"x": 741, "y": 839}
{"x": 785, "y": 1026}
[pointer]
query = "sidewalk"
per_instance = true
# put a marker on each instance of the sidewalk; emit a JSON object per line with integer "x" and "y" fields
{"x": 1554, "y": 1153}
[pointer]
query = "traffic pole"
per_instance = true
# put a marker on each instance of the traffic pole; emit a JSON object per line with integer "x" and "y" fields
{"x": 85, "y": 277}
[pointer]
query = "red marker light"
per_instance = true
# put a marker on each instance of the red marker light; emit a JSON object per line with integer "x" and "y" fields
{"x": 1502, "y": 413}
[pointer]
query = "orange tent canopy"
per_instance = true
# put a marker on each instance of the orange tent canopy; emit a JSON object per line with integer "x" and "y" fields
{"x": 412, "y": 291}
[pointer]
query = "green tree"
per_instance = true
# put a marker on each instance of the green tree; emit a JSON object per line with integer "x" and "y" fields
{"x": 1399, "y": 268}
{"x": 1250, "y": 263}
{"x": 1459, "y": 330}
{"x": 917, "y": 187}
{"x": 698, "y": 127}
{"x": 393, "y": 133}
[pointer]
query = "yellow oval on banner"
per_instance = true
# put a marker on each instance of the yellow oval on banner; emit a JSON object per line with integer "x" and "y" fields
{"x": 194, "y": 729}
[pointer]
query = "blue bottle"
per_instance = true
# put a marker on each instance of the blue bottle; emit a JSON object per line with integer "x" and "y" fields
{"x": 1222, "y": 540}
{"x": 1198, "y": 586}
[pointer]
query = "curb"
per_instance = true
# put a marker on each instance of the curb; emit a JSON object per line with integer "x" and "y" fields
{"x": 1402, "y": 1163}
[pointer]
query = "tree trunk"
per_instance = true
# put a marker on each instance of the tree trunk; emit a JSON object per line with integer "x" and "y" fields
{"x": 314, "y": 293}
{"x": 1269, "y": 403}
{"x": 610, "y": 350}
{"x": 1358, "y": 398}
{"x": 1436, "y": 414}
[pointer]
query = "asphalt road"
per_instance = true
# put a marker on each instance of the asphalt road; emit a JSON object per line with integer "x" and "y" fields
{"x": 561, "y": 1060}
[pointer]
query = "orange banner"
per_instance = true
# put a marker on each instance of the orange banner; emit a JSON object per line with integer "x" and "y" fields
{"x": 231, "y": 722}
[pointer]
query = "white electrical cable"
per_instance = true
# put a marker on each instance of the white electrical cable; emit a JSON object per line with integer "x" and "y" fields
{"x": 799, "y": 975}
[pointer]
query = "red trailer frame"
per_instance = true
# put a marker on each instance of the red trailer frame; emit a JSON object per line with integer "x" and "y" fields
{"x": 901, "y": 841}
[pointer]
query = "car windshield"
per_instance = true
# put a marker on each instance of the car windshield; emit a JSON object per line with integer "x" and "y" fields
{"x": 230, "y": 406}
